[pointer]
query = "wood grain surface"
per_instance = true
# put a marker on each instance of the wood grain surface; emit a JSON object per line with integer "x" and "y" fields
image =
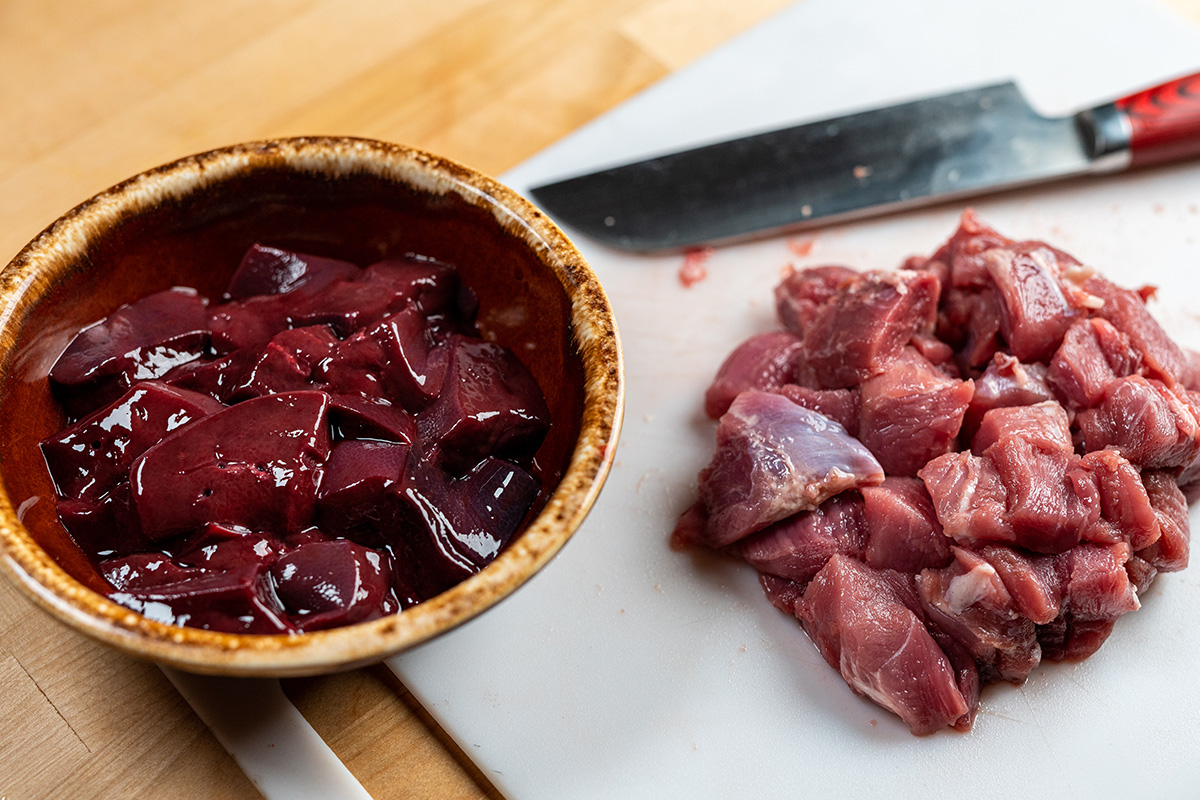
{"x": 92, "y": 92}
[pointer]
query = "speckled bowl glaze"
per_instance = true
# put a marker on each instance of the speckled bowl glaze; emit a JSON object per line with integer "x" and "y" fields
{"x": 187, "y": 223}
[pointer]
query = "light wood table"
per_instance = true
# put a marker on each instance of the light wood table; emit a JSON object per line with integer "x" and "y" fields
{"x": 92, "y": 92}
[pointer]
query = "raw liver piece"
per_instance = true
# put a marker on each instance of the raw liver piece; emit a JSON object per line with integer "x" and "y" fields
{"x": 256, "y": 465}
{"x": 140, "y": 341}
{"x": 1093, "y": 354}
{"x": 285, "y": 364}
{"x": 800, "y": 296}
{"x": 970, "y": 602}
{"x": 432, "y": 286}
{"x": 862, "y": 330}
{"x": 241, "y": 600}
{"x": 911, "y": 413}
{"x": 774, "y": 459}
{"x": 1144, "y": 421}
{"x": 763, "y": 362}
{"x": 89, "y": 458}
{"x": 396, "y": 359}
{"x": 489, "y": 405}
{"x": 269, "y": 270}
{"x": 249, "y": 323}
{"x": 352, "y": 500}
{"x": 358, "y": 417}
{"x": 798, "y": 547}
{"x": 328, "y": 584}
{"x": 861, "y": 625}
{"x": 1045, "y": 424}
{"x": 456, "y": 527}
{"x": 346, "y": 306}
{"x": 902, "y": 528}
{"x": 843, "y": 406}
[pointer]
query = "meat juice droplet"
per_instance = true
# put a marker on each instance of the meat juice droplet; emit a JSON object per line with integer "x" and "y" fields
{"x": 692, "y": 271}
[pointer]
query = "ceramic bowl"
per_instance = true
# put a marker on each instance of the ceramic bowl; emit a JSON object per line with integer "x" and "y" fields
{"x": 187, "y": 223}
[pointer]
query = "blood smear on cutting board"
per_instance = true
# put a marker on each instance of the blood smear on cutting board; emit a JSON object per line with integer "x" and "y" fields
{"x": 801, "y": 247}
{"x": 692, "y": 271}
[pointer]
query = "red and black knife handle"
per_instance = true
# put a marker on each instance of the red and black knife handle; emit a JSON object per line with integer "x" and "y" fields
{"x": 1152, "y": 126}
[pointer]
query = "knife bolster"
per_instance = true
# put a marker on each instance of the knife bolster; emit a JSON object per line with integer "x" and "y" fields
{"x": 1106, "y": 135}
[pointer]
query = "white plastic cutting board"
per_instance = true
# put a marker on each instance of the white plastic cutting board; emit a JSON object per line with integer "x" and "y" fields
{"x": 626, "y": 669}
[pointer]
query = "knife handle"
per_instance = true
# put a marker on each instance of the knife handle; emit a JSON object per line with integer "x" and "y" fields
{"x": 1163, "y": 122}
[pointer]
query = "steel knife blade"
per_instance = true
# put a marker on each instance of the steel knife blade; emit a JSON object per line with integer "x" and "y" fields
{"x": 916, "y": 153}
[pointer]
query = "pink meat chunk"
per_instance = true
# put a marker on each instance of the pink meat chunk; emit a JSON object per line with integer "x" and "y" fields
{"x": 141, "y": 341}
{"x": 763, "y": 362}
{"x": 969, "y": 601}
{"x": 256, "y": 465}
{"x": 1126, "y": 513}
{"x": 1092, "y": 355}
{"x": 1070, "y": 639}
{"x": 782, "y": 593}
{"x": 1047, "y": 507}
{"x": 862, "y": 330}
{"x": 843, "y": 406}
{"x": 1145, "y": 422}
{"x": 963, "y": 252}
{"x": 911, "y": 414}
{"x": 1006, "y": 382}
{"x": 1035, "y": 308}
{"x": 903, "y": 530}
{"x": 1045, "y": 424}
{"x": 799, "y": 546}
{"x": 970, "y": 500}
{"x": 1098, "y": 587}
{"x": 860, "y": 623}
{"x": 1168, "y": 553}
{"x": 1037, "y": 583}
{"x": 774, "y": 459}
{"x": 800, "y": 296}
{"x": 1162, "y": 359}
{"x": 969, "y": 320}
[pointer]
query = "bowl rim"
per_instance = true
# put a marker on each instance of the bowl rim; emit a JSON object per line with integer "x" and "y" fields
{"x": 44, "y": 261}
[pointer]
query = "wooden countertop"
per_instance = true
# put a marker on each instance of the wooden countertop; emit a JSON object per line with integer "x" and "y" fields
{"x": 94, "y": 92}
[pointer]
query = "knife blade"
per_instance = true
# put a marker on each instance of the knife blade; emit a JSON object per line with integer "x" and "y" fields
{"x": 913, "y": 154}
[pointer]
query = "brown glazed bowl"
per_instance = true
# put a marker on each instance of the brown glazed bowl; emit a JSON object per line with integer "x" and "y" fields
{"x": 187, "y": 223}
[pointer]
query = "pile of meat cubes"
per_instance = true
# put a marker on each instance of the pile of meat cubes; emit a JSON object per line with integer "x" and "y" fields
{"x": 955, "y": 470}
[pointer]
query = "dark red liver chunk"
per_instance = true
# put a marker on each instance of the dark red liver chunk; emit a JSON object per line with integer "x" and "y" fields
{"x": 328, "y": 446}
{"x": 1033, "y": 438}
{"x": 137, "y": 342}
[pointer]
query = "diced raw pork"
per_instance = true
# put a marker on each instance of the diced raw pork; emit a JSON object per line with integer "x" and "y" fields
{"x": 1144, "y": 421}
{"x": 969, "y": 601}
{"x": 912, "y": 413}
{"x": 902, "y": 528}
{"x": 1045, "y": 424}
{"x": 764, "y": 362}
{"x": 1093, "y": 354}
{"x": 774, "y": 459}
{"x": 1006, "y": 382}
{"x": 1035, "y": 311}
{"x": 861, "y": 625}
{"x": 862, "y": 330}
{"x": 798, "y": 547}
{"x": 802, "y": 293}
{"x": 843, "y": 406}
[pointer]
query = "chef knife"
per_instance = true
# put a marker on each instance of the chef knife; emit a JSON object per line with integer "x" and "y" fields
{"x": 916, "y": 153}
